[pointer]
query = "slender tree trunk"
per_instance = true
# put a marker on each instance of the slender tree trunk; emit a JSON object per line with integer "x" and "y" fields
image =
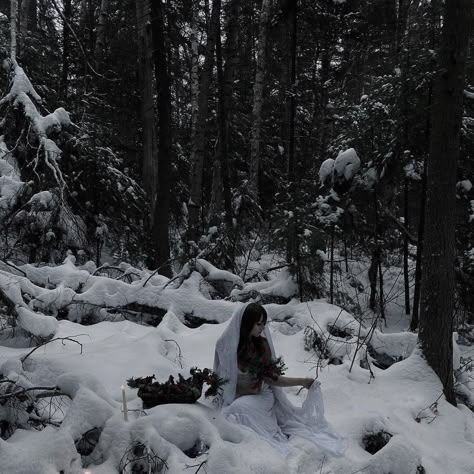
{"x": 375, "y": 258}
{"x": 13, "y": 26}
{"x": 147, "y": 112}
{"x": 402, "y": 61}
{"x": 381, "y": 295}
{"x": 435, "y": 19}
{"x": 372, "y": 274}
{"x": 28, "y": 17}
{"x": 258, "y": 100}
{"x": 419, "y": 252}
{"x": 83, "y": 17}
{"x": 216, "y": 204}
{"x": 406, "y": 274}
{"x": 160, "y": 231}
{"x": 99, "y": 50}
{"x": 194, "y": 68}
{"x": 290, "y": 113}
{"x": 221, "y": 180}
{"x": 198, "y": 141}
{"x": 66, "y": 50}
{"x": 437, "y": 289}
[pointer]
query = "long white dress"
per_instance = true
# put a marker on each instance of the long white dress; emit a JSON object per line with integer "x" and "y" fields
{"x": 269, "y": 413}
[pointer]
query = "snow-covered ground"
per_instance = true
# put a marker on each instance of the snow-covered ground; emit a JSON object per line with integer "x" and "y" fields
{"x": 427, "y": 434}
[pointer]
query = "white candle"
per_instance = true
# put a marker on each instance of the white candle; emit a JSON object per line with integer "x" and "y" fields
{"x": 124, "y": 404}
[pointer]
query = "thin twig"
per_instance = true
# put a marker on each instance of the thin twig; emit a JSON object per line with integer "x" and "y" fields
{"x": 52, "y": 340}
{"x": 24, "y": 390}
{"x": 179, "y": 358}
{"x": 156, "y": 271}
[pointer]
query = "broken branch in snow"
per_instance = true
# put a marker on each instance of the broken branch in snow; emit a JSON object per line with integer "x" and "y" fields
{"x": 21, "y": 392}
{"x": 180, "y": 356}
{"x": 157, "y": 270}
{"x": 52, "y": 340}
{"x": 433, "y": 408}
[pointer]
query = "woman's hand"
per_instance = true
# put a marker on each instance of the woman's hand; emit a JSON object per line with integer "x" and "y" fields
{"x": 308, "y": 382}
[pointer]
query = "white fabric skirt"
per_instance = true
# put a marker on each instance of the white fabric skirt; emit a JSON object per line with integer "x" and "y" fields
{"x": 274, "y": 419}
{"x": 257, "y": 413}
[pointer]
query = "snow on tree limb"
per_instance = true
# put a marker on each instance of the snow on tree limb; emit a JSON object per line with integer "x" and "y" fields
{"x": 344, "y": 167}
{"x": 20, "y": 85}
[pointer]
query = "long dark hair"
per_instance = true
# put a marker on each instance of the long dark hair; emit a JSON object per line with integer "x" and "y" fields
{"x": 252, "y": 314}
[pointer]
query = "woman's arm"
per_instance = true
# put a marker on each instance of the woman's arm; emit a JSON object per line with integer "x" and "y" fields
{"x": 283, "y": 381}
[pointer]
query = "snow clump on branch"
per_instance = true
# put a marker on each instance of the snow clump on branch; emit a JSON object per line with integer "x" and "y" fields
{"x": 344, "y": 167}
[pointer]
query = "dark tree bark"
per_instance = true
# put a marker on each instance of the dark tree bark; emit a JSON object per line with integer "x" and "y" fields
{"x": 160, "y": 230}
{"x": 198, "y": 145}
{"x": 290, "y": 11}
{"x": 406, "y": 275}
{"x": 66, "y": 50}
{"x": 145, "y": 76}
{"x": 437, "y": 289}
{"x": 99, "y": 50}
{"x": 28, "y": 17}
{"x": 434, "y": 27}
{"x": 221, "y": 196}
{"x": 258, "y": 89}
{"x": 419, "y": 253}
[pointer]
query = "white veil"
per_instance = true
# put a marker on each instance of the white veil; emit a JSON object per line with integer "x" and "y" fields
{"x": 307, "y": 421}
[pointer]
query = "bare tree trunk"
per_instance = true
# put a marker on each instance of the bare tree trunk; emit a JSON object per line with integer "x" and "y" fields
{"x": 381, "y": 295}
{"x": 198, "y": 142}
{"x": 221, "y": 196}
{"x": 290, "y": 112}
{"x": 194, "y": 67}
{"x": 435, "y": 20}
{"x": 258, "y": 89}
{"x": 406, "y": 275}
{"x": 147, "y": 112}
{"x": 28, "y": 17}
{"x": 160, "y": 231}
{"x": 216, "y": 204}
{"x": 13, "y": 23}
{"x": 99, "y": 50}
{"x": 83, "y": 17}
{"x": 402, "y": 61}
{"x": 437, "y": 289}
{"x": 66, "y": 50}
{"x": 419, "y": 252}
{"x": 372, "y": 274}
{"x": 376, "y": 257}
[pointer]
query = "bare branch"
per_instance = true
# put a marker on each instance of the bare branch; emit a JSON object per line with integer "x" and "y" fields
{"x": 52, "y": 340}
{"x": 23, "y": 391}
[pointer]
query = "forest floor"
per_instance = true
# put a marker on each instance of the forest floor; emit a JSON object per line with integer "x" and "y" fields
{"x": 394, "y": 418}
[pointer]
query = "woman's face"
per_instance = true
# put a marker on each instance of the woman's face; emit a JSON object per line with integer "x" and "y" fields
{"x": 258, "y": 327}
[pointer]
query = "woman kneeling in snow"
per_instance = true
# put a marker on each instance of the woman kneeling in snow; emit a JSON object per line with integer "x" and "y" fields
{"x": 252, "y": 396}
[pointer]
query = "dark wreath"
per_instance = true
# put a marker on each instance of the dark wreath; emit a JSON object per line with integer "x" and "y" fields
{"x": 181, "y": 391}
